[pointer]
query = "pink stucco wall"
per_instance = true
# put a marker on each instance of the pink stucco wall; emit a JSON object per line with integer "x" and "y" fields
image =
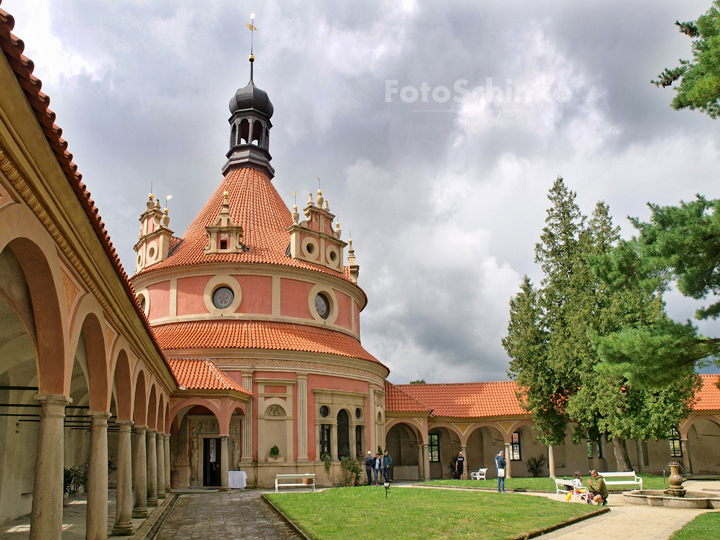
{"x": 159, "y": 300}
{"x": 294, "y": 298}
{"x": 256, "y": 294}
{"x": 344, "y": 315}
{"x": 357, "y": 317}
{"x": 190, "y": 297}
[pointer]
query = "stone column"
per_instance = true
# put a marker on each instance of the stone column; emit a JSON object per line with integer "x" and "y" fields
{"x": 640, "y": 459}
{"x": 687, "y": 462}
{"x": 47, "y": 504}
{"x": 247, "y": 442}
{"x": 507, "y": 460}
{"x": 224, "y": 461}
{"x": 167, "y": 462}
{"x": 551, "y": 461}
{"x": 333, "y": 442}
{"x": 463, "y": 449}
{"x": 352, "y": 438}
{"x": 140, "y": 473}
{"x": 370, "y": 417}
{"x": 160, "y": 447}
{"x": 302, "y": 426}
{"x": 426, "y": 461}
{"x": 96, "y": 516}
{"x": 421, "y": 462}
{"x": 123, "y": 506}
{"x": 152, "y": 499}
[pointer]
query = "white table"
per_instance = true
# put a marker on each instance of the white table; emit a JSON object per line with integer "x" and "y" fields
{"x": 237, "y": 479}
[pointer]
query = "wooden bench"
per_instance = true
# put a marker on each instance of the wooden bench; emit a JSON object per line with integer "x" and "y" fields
{"x": 293, "y": 478}
{"x": 623, "y": 478}
{"x": 478, "y": 475}
{"x": 565, "y": 486}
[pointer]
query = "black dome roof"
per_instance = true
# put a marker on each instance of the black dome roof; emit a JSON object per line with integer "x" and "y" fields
{"x": 251, "y": 97}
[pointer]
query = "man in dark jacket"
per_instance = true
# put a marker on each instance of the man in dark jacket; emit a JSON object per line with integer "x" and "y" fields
{"x": 387, "y": 461}
{"x": 369, "y": 462}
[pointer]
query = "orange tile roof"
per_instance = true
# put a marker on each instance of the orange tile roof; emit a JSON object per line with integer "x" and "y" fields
{"x": 255, "y": 205}
{"x": 199, "y": 374}
{"x": 708, "y": 398}
{"x": 23, "y": 67}
{"x": 259, "y": 335}
{"x": 467, "y": 400}
{"x": 398, "y": 401}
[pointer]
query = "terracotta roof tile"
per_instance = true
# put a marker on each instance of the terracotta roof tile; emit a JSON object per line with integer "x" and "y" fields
{"x": 255, "y": 205}
{"x": 199, "y": 374}
{"x": 467, "y": 400}
{"x": 259, "y": 335}
{"x": 398, "y": 401}
{"x": 709, "y": 394}
{"x": 23, "y": 67}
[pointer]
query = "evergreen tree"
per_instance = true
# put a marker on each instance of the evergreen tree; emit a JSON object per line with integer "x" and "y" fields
{"x": 700, "y": 78}
{"x": 552, "y": 331}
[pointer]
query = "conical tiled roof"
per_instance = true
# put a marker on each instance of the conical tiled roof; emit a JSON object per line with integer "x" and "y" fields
{"x": 255, "y": 205}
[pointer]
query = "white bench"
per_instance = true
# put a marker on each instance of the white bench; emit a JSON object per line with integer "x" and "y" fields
{"x": 478, "y": 475}
{"x": 565, "y": 486}
{"x": 293, "y": 478}
{"x": 623, "y": 478}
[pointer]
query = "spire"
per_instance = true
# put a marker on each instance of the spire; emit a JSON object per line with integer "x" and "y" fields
{"x": 250, "y": 110}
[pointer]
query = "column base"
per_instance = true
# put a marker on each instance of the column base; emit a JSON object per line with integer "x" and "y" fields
{"x": 161, "y": 495}
{"x": 224, "y": 490}
{"x": 140, "y": 513}
{"x": 123, "y": 530}
{"x": 152, "y": 503}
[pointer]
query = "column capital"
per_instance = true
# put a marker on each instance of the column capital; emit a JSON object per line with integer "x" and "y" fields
{"x": 99, "y": 416}
{"x": 151, "y": 432}
{"x": 224, "y": 437}
{"x": 424, "y": 445}
{"x": 302, "y": 376}
{"x": 124, "y": 424}
{"x": 166, "y": 436}
{"x": 140, "y": 429}
{"x": 53, "y": 406}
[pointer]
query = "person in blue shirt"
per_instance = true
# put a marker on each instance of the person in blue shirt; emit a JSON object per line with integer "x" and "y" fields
{"x": 369, "y": 463}
{"x": 378, "y": 467}
{"x": 500, "y": 464}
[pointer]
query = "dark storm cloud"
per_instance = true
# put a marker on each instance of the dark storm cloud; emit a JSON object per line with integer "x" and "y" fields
{"x": 444, "y": 207}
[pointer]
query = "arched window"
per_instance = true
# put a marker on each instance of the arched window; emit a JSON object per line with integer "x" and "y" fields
{"x": 358, "y": 441}
{"x": 233, "y": 135}
{"x": 343, "y": 433}
{"x": 244, "y": 132}
{"x": 257, "y": 133}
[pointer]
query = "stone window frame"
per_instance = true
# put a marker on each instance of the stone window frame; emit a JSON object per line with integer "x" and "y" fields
{"x": 516, "y": 446}
{"x": 435, "y": 445}
{"x": 674, "y": 443}
{"x": 216, "y": 282}
{"x": 309, "y": 240}
{"x": 332, "y": 299}
{"x": 144, "y": 294}
{"x": 335, "y": 400}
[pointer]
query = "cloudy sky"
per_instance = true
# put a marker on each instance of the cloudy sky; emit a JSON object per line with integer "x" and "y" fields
{"x": 445, "y": 195}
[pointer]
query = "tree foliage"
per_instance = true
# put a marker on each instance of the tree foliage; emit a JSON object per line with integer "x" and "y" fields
{"x": 679, "y": 245}
{"x": 700, "y": 78}
{"x": 553, "y": 334}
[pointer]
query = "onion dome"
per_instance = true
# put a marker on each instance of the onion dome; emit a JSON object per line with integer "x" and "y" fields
{"x": 251, "y": 97}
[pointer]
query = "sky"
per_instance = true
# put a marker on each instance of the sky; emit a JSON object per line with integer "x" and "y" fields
{"x": 436, "y": 128}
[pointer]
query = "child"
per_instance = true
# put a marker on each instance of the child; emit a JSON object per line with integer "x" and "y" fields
{"x": 578, "y": 488}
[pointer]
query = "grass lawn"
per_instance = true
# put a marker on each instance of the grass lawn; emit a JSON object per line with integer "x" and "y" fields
{"x": 363, "y": 512}
{"x": 650, "y": 481}
{"x": 703, "y": 527}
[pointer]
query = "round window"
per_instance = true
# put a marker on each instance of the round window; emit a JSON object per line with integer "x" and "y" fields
{"x": 310, "y": 248}
{"x": 324, "y": 411}
{"x": 151, "y": 253}
{"x": 358, "y": 413}
{"x": 223, "y": 297}
{"x": 142, "y": 303}
{"x": 322, "y": 305}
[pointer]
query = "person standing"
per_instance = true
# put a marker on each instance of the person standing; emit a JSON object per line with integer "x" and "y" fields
{"x": 387, "y": 462}
{"x": 369, "y": 463}
{"x": 459, "y": 466}
{"x": 500, "y": 464}
{"x": 378, "y": 467}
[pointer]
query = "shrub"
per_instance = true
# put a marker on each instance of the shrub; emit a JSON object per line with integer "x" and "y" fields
{"x": 74, "y": 477}
{"x": 535, "y": 465}
{"x": 274, "y": 451}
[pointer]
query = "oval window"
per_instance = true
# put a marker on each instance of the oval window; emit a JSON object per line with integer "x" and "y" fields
{"x": 223, "y": 297}
{"x": 358, "y": 413}
{"x": 322, "y": 305}
{"x": 324, "y": 411}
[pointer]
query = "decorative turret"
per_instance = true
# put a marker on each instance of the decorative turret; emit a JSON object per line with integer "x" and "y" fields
{"x": 314, "y": 239}
{"x": 250, "y": 110}
{"x": 224, "y": 236}
{"x": 352, "y": 263}
{"x": 153, "y": 244}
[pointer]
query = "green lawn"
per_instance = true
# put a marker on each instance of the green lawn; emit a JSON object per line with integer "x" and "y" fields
{"x": 650, "y": 481}
{"x": 703, "y": 527}
{"x": 363, "y": 512}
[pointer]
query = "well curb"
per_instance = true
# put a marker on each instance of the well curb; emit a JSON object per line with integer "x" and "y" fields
{"x": 285, "y": 518}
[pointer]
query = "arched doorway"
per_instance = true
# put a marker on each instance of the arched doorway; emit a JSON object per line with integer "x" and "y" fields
{"x": 443, "y": 446}
{"x": 704, "y": 443}
{"x": 405, "y": 449}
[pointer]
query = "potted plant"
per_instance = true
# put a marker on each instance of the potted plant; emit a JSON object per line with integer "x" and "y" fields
{"x": 275, "y": 452}
{"x": 353, "y": 467}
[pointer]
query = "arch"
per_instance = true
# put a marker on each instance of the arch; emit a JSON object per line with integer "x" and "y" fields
{"x": 494, "y": 425}
{"x": 688, "y": 423}
{"x": 257, "y": 133}
{"x": 140, "y": 408}
{"x": 97, "y": 368}
{"x": 447, "y": 425}
{"x": 244, "y": 132}
{"x": 182, "y": 404}
{"x": 168, "y": 422}
{"x": 160, "y": 424}
{"x": 413, "y": 423}
{"x": 44, "y": 281}
{"x": 152, "y": 407}
{"x": 123, "y": 386}
{"x": 516, "y": 426}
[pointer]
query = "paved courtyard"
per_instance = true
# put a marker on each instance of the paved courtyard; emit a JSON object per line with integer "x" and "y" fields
{"x": 224, "y": 516}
